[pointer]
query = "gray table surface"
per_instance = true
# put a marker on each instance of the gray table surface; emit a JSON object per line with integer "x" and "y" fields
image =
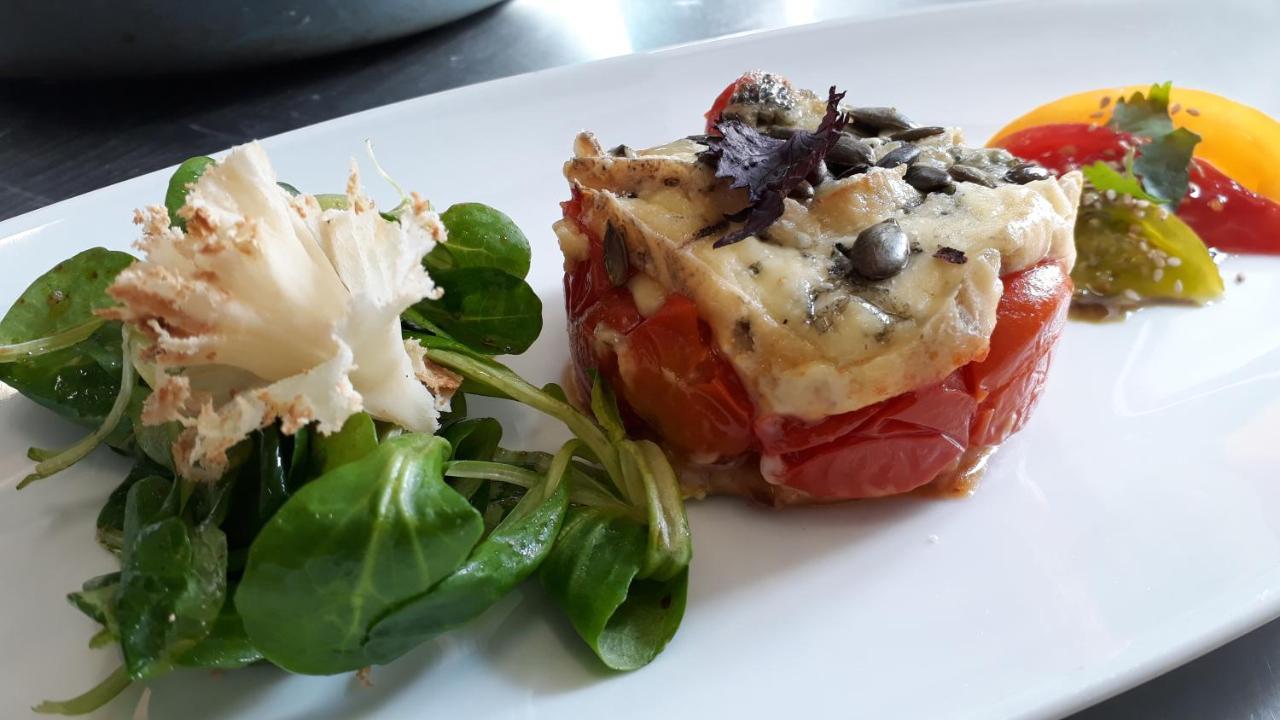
{"x": 61, "y": 139}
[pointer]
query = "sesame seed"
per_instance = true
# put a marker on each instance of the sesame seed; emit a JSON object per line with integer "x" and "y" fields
{"x": 1193, "y": 112}
{"x": 1111, "y": 195}
{"x": 1175, "y": 108}
{"x": 1094, "y": 222}
{"x": 1159, "y": 261}
{"x": 1174, "y": 261}
{"x": 1157, "y": 275}
{"x": 1142, "y": 203}
{"x": 1177, "y": 286}
{"x": 1130, "y": 294}
{"x": 1217, "y": 204}
{"x": 1105, "y": 101}
{"x": 1091, "y": 127}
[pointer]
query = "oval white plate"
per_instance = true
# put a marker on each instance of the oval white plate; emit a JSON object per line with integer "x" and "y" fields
{"x": 1134, "y": 524}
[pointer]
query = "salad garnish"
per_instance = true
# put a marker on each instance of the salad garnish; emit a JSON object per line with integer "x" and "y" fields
{"x": 288, "y": 374}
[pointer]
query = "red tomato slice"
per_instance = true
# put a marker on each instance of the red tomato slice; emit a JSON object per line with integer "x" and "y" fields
{"x": 586, "y": 282}
{"x": 1227, "y": 216}
{"x": 665, "y": 369}
{"x": 722, "y": 101}
{"x": 1224, "y": 214}
{"x": 613, "y": 315}
{"x": 1067, "y": 146}
{"x": 1007, "y": 384}
{"x": 674, "y": 378}
{"x": 902, "y": 443}
{"x": 891, "y": 447}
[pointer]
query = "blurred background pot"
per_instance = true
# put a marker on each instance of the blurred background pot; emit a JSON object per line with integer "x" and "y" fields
{"x": 75, "y": 38}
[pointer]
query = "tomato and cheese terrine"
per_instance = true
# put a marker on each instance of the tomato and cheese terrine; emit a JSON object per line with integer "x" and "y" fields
{"x": 815, "y": 301}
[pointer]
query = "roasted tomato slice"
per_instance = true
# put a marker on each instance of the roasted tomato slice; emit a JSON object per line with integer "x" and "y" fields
{"x": 1227, "y": 216}
{"x": 887, "y": 448}
{"x": 591, "y": 334}
{"x": 1008, "y": 382}
{"x": 904, "y": 442}
{"x": 674, "y": 378}
{"x": 585, "y": 282}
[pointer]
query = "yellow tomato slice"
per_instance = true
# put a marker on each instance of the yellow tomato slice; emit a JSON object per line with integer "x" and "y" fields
{"x": 1239, "y": 140}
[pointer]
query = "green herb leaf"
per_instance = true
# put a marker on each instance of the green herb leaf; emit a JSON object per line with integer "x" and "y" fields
{"x": 172, "y": 580}
{"x": 1103, "y": 177}
{"x": 1164, "y": 165}
{"x": 480, "y": 236}
{"x": 348, "y": 547}
{"x": 1144, "y": 114}
{"x": 591, "y": 574}
{"x": 511, "y": 553}
{"x": 484, "y": 308}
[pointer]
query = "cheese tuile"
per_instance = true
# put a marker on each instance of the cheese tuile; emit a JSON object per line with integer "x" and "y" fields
{"x": 269, "y": 308}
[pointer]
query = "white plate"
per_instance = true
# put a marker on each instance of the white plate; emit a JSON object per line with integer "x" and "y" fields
{"x": 1132, "y": 526}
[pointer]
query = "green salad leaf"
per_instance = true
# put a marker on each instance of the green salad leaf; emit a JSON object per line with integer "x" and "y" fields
{"x": 511, "y": 553}
{"x": 227, "y": 646}
{"x": 480, "y": 236}
{"x": 180, "y": 184}
{"x": 111, "y": 516}
{"x": 485, "y": 308}
{"x": 357, "y": 438}
{"x": 350, "y": 546}
{"x": 173, "y": 580}
{"x": 55, "y": 351}
{"x": 593, "y": 574}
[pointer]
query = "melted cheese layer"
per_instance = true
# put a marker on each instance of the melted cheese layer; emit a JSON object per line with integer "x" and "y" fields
{"x": 807, "y": 340}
